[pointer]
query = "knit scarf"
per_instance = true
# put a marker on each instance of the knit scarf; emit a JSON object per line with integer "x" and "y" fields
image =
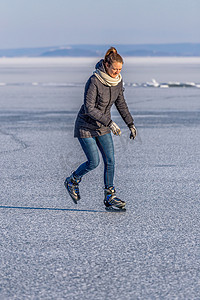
{"x": 106, "y": 79}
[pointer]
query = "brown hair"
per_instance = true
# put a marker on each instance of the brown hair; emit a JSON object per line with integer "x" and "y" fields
{"x": 112, "y": 56}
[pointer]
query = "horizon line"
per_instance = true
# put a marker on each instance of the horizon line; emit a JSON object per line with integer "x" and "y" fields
{"x": 101, "y": 44}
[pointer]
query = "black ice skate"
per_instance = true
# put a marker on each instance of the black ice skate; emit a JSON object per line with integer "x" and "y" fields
{"x": 111, "y": 201}
{"x": 71, "y": 184}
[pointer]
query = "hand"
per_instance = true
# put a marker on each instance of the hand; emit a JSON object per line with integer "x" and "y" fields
{"x": 133, "y": 132}
{"x": 115, "y": 128}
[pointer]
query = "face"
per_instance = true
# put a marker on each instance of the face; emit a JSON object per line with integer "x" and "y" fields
{"x": 114, "y": 69}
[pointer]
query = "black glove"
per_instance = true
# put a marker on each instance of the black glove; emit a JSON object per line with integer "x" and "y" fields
{"x": 133, "y": 132}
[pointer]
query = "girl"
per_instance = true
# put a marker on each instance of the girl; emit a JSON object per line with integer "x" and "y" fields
{"x": 94, "y": 125}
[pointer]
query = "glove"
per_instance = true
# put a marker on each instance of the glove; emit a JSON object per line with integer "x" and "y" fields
{"x": 115, "y": 128}
{"x": 133, "y": 132}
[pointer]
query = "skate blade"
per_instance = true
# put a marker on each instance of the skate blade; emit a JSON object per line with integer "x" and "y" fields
{"x": 115, "y": 209}
{"x": 74, "y": 200}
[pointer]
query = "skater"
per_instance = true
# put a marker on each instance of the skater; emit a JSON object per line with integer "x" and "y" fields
{"x": 94, "y": 125}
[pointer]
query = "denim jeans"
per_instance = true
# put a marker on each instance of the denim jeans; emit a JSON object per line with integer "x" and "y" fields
{"x": 90, "y": 146}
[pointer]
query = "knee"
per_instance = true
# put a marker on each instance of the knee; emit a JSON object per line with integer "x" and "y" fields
{"x": 92, "y": 164}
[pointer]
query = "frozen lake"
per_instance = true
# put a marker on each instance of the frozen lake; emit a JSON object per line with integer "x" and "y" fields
{"x": 52, "y": 249}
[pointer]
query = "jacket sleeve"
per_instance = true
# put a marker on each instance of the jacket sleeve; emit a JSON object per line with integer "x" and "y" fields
{"x": 90, "y": 97}
{"x": 122, "y": 108}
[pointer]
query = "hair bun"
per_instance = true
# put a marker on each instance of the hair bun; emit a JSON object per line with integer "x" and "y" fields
{"x": 111, "y": 50}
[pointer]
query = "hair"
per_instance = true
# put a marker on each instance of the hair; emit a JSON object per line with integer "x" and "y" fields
{"x": 111, "y": 56}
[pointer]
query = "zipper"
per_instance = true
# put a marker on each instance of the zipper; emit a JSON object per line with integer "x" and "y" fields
{"x": 109, "y": 100}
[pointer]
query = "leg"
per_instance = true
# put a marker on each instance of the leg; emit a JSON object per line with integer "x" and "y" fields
{"x": 105, "y": 144}
{"x": 89, "y": 146}
{"x": 91, "y": 151}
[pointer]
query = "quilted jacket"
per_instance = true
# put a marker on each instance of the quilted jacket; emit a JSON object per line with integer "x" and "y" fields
{"x": 94, "y": 115}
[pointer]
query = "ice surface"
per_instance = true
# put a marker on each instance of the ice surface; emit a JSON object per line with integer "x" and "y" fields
{"x": 52, "y": 249}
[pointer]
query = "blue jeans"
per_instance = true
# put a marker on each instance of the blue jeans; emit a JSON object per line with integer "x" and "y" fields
{"x": 90, "y": 146}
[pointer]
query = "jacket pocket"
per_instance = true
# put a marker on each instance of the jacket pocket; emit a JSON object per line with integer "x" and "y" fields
{"x": 88, "y": 123}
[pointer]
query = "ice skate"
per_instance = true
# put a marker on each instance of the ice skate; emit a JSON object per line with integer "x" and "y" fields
{"x": 71, "y": 183}
{"x": 112, "y": 202}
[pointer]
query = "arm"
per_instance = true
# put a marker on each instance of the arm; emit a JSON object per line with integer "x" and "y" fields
{"x": 90, "y": 97}
{"x": 125, "y": 114}
{"x": 122, "y": 108}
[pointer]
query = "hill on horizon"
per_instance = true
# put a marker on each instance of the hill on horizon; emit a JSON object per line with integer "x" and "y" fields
{"x": 87, "y": 50}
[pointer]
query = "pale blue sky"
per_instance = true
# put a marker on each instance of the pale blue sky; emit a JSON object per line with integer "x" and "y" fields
{"x": 33, "y": 23}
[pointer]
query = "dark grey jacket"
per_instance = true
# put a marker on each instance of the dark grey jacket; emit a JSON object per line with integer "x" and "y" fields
{"x": 94, "y": 115}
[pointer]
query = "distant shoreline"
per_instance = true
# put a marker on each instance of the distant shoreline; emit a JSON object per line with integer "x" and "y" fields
{"x": 126, "y": 50}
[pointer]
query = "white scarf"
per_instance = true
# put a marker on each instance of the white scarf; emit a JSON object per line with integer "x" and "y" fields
{"x": 106, "y": 79}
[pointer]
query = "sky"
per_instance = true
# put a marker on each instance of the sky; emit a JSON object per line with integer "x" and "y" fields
{"x": 41, "y": 23}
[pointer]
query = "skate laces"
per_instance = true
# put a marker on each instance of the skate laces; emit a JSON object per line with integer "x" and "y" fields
{"x": 76, "y": 189}
{"x": 73, "y": 186}
{"x": 112, "y": 198}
